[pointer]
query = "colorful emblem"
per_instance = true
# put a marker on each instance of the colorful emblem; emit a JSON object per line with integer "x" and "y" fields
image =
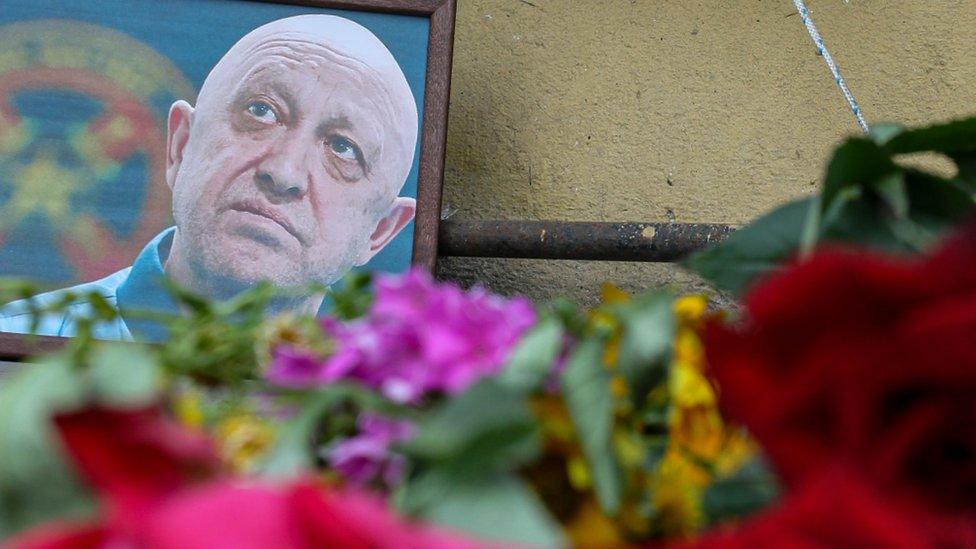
{"x": 83, "y": 113}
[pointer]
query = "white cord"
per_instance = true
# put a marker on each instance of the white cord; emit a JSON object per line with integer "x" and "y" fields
{"x": 822, "y": 51}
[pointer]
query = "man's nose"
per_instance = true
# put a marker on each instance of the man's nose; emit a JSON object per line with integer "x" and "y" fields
{"x": 283, "y": 173}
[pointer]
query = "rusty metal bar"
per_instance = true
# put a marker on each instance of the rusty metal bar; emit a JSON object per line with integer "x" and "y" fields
{"x": 601, "y": 241}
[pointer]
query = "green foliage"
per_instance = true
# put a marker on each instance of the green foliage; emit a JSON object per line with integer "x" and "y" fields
{"x": 747, "y": 491}
{"x": 489, "y": 427}
{"x": 319, "y": 417}
{"x": 532, "y": 360}
{"x": 755, "y": 249}
{"x": 215, "y": 341}
{"x": 586, "y": 389}
{"x": 36, "y": 483}
{"x": 352, "y": 297}
{"x": 648, "y": 330}
{"x": 868, "y": 198}
{"x": 464, "y": 451}
{"x": 502, "y": 509}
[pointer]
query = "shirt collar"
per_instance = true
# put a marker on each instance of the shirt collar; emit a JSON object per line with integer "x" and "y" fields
{"x": 144, "y": 290}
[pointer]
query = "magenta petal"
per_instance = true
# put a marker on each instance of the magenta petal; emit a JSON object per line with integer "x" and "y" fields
{"x": 420, "y": 337}
{"x": 293, "y": 368}
{"x": 366, "y": 457}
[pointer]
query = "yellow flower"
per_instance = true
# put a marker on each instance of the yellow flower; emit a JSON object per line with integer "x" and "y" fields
{"x": 242, "y": 439}
{"x": 677, "y": 495}
{"x": 689, "y": 387}
{"x": 688, "y": 348}
{"x": 294, "y": 331}
{"x": 618, "y": 386}
{"x": 699, "y": 431}
{"x": 690, "y": 308}
{"x": 554, "y": 419}
{"x": 591, "y": 528}
{"x": 188, "y": 407}
{"x": 578, "y": 473}
{"x": 612, "y": 295}
{"x": 701, "y": 446}
{"x": 739, "y": 448}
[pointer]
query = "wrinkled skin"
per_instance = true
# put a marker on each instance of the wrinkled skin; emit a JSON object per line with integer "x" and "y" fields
{"x": 288, "y": 167}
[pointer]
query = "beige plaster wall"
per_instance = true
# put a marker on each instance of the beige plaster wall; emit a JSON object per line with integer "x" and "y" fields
{"x": 650, "y": 110}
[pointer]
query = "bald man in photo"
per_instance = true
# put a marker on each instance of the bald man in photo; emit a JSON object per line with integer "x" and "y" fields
{"x": 287, "y": 169}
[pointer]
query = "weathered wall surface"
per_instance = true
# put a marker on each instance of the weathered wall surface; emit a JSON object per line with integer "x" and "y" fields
{"x": 650, "y": 110}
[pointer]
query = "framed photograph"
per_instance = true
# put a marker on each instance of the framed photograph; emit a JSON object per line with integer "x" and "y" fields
{"x": 218, "y": 143}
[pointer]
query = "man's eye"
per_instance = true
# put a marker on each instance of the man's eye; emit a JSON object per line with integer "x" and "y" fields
{"x": 262, "y": 111}
{"x": 345, "y": 149}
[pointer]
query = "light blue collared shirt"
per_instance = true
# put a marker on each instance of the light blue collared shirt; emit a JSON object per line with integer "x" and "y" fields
{"x": 136, "y": 288}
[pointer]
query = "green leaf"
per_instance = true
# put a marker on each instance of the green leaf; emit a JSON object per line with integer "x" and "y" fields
{"x": 950, "y": 137}
{"x": 586, "y": 389}
{"x": 293, "y": 452}
{"x": 753, "y": 250}
{"x": 858, "y": 162}
{"x": 500, "y": 509}
{"x": 956, "y": 139}
{"x": 254, "y": 300}
{"x": 855, "y": 220}
{"x": 645, "y": 344}
{"x": 351, "y": 297}
{"x": 881, "y": 134}
{"x": 124, "y": 374}
{"x": 36, "y": 483}
{"x": 811, "y": 228}
{"x": 933, "y": 197}
{"x": 751, "y": 489}
{"x": 534, "y": 356}
{"x": 101, "y": 307}
{"x": 295, "y": 448}
{"x": 894, "y": 192}
{"x": 193, "y": 302}
{"x": 488, "y": 428}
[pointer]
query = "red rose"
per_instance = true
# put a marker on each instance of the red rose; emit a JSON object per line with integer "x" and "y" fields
{"x": 163, "y": 489}
{"x": 864, "y": 360}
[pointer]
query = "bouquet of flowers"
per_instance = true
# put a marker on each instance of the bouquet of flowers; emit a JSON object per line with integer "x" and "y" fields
{"x": 832, "y": 407}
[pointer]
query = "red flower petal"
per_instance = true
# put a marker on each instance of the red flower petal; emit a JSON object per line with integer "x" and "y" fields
{"x": 61, "y": 536}
{"x": 135, "y": 457}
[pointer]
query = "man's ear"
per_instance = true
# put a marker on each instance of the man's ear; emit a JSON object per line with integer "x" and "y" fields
{"x": 178, "y": 133}
{"x": 389, "y": 226}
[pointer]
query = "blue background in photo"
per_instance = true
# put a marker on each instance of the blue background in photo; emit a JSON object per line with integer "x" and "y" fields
{"x": 193, "y": 35}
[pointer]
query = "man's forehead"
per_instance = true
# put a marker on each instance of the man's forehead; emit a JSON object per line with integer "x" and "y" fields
{"x": 323, "y": 41}
{"x": 317, "y": 35}
{"x": 274, "y": 59}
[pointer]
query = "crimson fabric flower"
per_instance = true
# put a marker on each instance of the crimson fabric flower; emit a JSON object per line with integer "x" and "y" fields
{"x": 867, "y": 362}
{"x": 162, "y": 489}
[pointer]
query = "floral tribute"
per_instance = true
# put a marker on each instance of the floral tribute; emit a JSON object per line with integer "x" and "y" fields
{"x": 864, "y": 393}
{"x": 162, "y": 486}
{"x": 418, "y": 338}
{"x": 831, "y": 406}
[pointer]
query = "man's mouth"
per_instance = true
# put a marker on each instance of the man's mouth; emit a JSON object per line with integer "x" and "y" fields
{"x": 260, "y": 209}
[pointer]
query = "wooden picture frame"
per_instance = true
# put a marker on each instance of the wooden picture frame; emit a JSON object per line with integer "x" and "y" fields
{"x": 432, "y": 134}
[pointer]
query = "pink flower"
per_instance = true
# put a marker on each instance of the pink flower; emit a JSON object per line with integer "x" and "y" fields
{"x": 419, "y": 337}
{"x": 366, "y": 457}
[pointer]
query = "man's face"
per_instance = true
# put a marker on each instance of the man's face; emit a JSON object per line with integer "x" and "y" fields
{"x": 292, "y": 164}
